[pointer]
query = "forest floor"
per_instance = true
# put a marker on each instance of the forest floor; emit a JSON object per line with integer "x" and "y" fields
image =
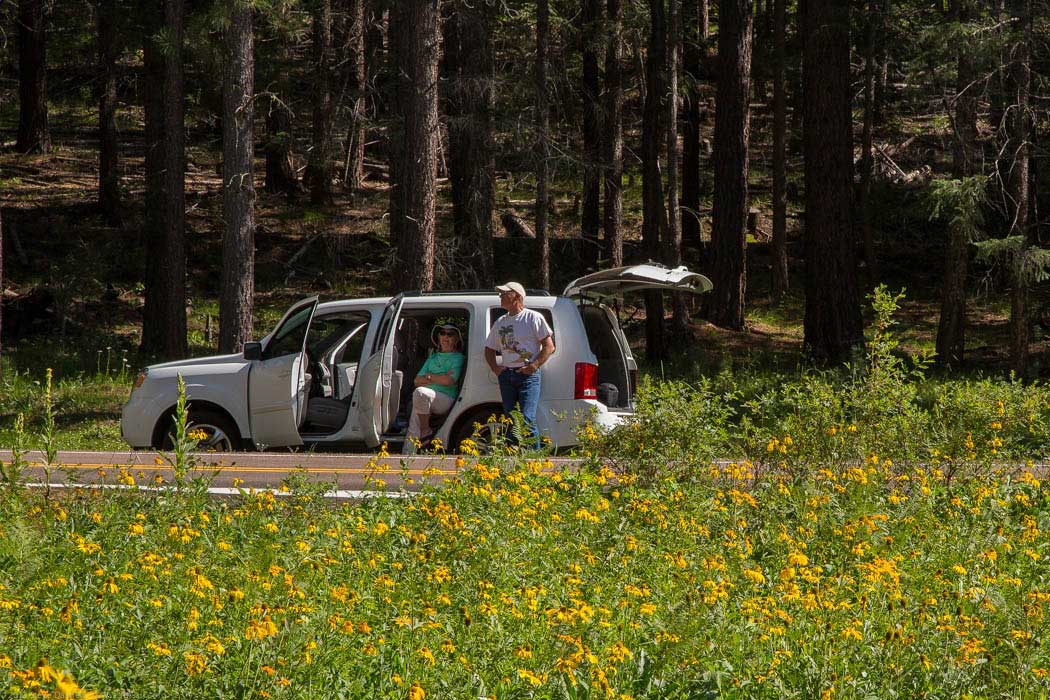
{"x": 90, "y": 271}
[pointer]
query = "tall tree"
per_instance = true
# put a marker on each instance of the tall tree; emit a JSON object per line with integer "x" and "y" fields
{"x": 951, "y": 328}
{"x": 542, "y": 145}
{"x": 236, "y": 304}
{"x": 672, "y": 243}
{"x": 108, "y": 149}
{"x": 1019, "y": 148}
{"x": 164, "y": 312}
{"x": 612, "y": 141}
{"x": 832, "y": 326}
{"x": 732, "y": 132}
{"x": 418, "y": 26}
{"x": 779, "y": 242}
{"x": 356, "y": 69}
{"x": 472, "y": 164}
{"x": 654, "y": 216}
{"x": 1, "y": 292}
{"x": 694, "y": 49}
{"x": 34, "y": 134}
{"x": 867, "y": 159}
{"x": 590, "y": 35}
{"x": 318, "y": 168}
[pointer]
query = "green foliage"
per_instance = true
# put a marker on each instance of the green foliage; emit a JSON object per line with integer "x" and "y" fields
{"x": 884, "y": 409}
{"x": 960, "y": 204}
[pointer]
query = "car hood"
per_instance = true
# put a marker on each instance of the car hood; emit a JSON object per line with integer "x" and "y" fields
{"x": 197, "y": 364}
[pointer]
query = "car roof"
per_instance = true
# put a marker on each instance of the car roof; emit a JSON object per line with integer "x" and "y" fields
{"x": 533, "y": 299}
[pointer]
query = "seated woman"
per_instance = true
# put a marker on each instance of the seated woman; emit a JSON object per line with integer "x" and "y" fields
{"x": 437, "y": 385}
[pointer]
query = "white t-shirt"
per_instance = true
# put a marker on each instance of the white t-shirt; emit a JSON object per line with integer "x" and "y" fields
{"x": 518, "y": 337}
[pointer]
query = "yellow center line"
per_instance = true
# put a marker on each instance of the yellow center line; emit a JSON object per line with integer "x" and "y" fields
{"x": 260, "y": 470}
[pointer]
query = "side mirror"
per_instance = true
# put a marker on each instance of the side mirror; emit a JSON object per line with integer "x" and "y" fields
{"x": 253, "y": 350}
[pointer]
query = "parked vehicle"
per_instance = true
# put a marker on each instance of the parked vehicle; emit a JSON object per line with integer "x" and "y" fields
{"x": 340, "y": 374}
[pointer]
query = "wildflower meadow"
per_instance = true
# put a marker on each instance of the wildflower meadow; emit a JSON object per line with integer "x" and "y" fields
{"x": 875, "y": 538}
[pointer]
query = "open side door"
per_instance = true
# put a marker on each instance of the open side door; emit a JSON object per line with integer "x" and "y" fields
{"x": 277, "y": 382}
{"x": 634, "y": 278}
{"x": 374, "y": 376}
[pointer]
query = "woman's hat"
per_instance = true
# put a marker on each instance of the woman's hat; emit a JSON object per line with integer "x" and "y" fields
{"x": 445, "y": 327}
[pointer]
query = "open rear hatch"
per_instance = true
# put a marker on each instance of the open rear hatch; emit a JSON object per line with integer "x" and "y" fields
{"x": 637, "y": 278}
{"x": 617, "y": 369}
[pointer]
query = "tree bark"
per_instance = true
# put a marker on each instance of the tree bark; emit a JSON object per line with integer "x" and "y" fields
{"x": 318, "y": 168}
{"x": 832, "y": 327}
{"x": 951, "y": 328}
{"x": 418, "y": 47}
{"x": 672, "y": 243}
{"x": 654, "y": 216}
{"x": 108, "y": 148}
{"x": 353, "y": 169}
{"x": 781, "y": 282}
{"x": 612, "y": 143}
{"x": 867, "y": 161}
{"x": 732, "y": 132}
{"x": 591, "y": 213}
{"x": 470, "y": 60}
{"x": 1, "y": 293}
{"x": 694, "y": 45}
{"x": 34, "y": 134}
{"x": 1019, "y": 120}
{"x": 164, "y": 312}
{"x": 542, "y": 146}
{"x": 236, "y": 304}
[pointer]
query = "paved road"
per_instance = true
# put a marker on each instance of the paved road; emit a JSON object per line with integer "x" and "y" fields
{"x": 347, "y": 475}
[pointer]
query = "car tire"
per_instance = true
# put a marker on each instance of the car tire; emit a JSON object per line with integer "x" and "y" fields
{"x": 465, "y": 429}
{"x": 222, "y": 434}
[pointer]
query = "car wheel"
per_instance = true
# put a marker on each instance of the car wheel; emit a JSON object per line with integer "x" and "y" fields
{"x": 220, "y": 433}
{"x": 485, "y": 437}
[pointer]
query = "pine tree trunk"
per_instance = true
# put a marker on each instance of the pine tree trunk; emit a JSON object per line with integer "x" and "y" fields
{"x": 779, "y": 243}
{"x": 542, "y": 145}
{"x": 1019, "y": 120}
{"x": 951, "y": 329}
{"x": 612, "y": 142}
{"x": 591, "y": 212}
{"x": 418, "y": 47}
{"x": 867, "y": 161}
{"x": 654, "y": 216}
{"x": 236, "y": 304}
{"x": 1, "y": 293}
{"x": 832, "y": 327}
{"x": 672, "y": 243}
{"x": 882, "y": 60}
{"x": 318, "y": 170}
{"x": 34, "y": 135}
{"x": 108, "y": 148}
{"x": 469, "y": 56}
{"x": 353, "y": 168}
{"x": 164, "y": 312}
{"x": 732, "y": 132}
{"x": 693, "y": 48}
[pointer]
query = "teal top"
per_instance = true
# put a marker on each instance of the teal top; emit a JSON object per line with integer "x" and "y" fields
{"x": 442, "y": 363}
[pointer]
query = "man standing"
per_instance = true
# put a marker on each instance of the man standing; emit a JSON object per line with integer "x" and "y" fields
{"x": 524, "y": 339}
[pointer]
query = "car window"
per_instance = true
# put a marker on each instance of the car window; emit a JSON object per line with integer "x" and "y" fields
{"x": 288, "y": 340}
{"x": 331, "y": 329}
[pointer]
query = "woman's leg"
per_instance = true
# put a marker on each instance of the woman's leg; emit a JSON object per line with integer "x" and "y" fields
{"x": 419, "y": 422}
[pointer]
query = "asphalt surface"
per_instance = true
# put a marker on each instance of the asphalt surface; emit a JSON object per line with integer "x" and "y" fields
{"x": 343, "y": 475}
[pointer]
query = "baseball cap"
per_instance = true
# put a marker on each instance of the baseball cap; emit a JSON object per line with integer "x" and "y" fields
{"x": 512, "y": 287}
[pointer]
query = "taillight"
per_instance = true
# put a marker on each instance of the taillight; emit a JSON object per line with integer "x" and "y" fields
{"x": 140, "y": 379}
{"x": 586, "y": 380}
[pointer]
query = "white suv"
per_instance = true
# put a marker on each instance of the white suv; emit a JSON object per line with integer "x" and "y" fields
{"x": 340, "y": 374}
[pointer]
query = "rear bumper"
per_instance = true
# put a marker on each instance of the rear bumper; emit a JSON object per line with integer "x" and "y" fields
{"x": 559, "y": 420}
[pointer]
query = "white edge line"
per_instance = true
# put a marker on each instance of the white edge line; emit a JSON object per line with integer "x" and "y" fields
{"x": 228, "y": 491}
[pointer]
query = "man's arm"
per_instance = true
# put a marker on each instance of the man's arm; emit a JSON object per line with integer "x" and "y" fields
{"x": 546, "y": 350}
{"x": 490, "y": 358}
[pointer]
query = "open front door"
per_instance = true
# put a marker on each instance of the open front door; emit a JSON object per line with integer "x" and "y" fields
{"x": 633, "y": 278}
{"x": 373, "y": 377}
{"x": 277, "y": 382}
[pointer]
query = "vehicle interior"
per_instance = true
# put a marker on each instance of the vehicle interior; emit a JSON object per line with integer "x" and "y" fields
{"x": 614, "y": 387}
{"x": 414, "y": 341}
{"x": 333, "y": 349}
